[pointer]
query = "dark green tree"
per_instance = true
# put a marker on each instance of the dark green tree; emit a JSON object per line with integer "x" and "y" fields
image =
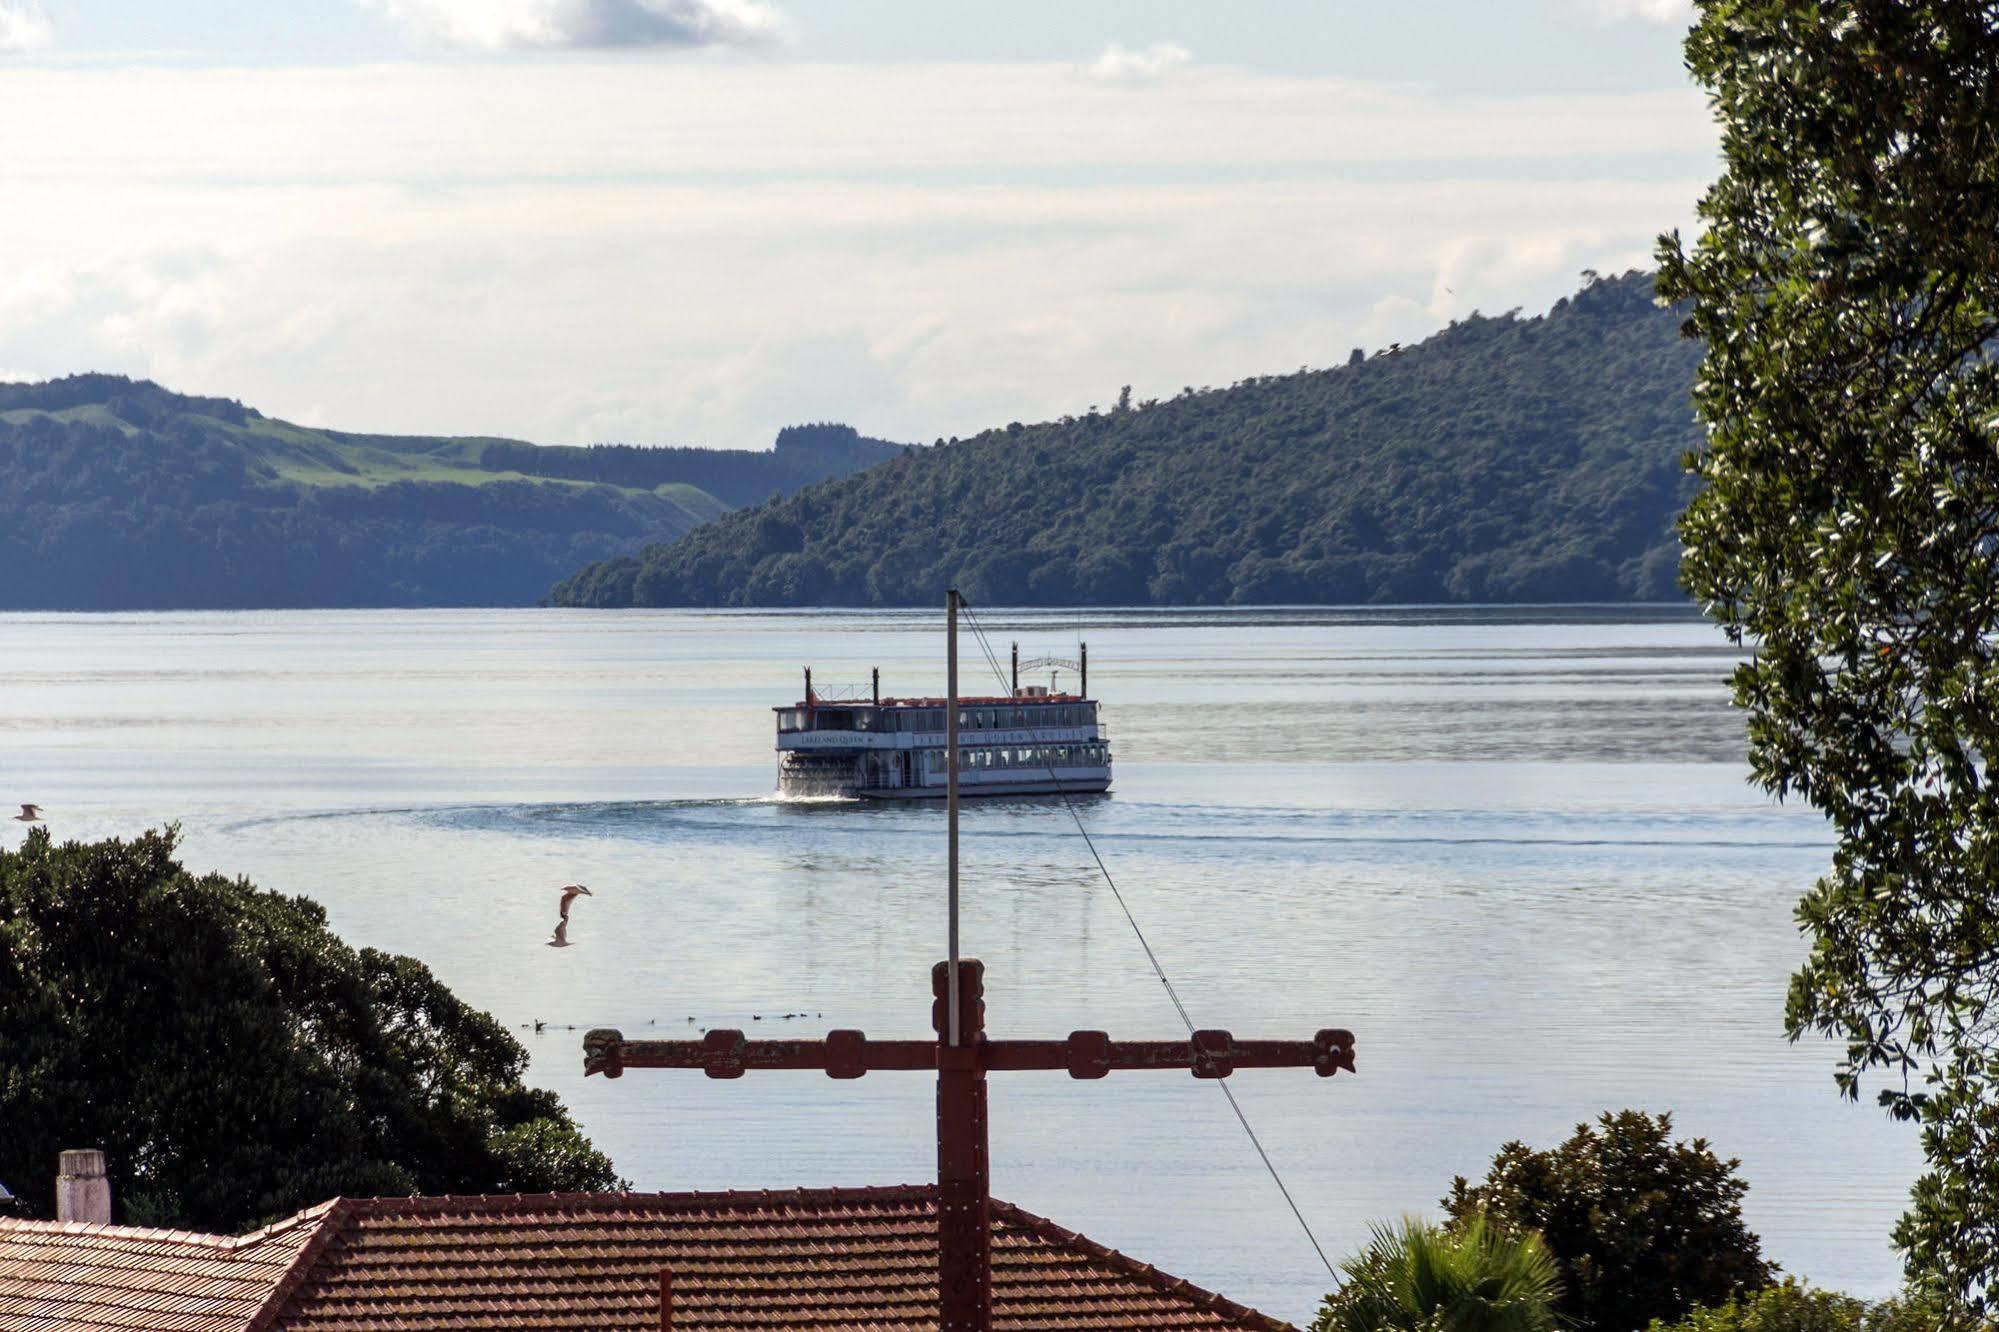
{"x": 1472, "y": 1277}
{"x": 1642, "y": 1227}
{"x": 237, "y": 1061}
{"x": 1502, "y": 459}
{"x": 1846, "y": 290}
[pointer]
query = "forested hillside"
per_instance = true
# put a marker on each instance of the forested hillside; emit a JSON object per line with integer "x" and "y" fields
{"x": 116, "y": 494}
{"x": 1503, "y": 459}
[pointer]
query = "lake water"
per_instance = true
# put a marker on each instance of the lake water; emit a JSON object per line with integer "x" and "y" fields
{"x": 1513, "y": 850}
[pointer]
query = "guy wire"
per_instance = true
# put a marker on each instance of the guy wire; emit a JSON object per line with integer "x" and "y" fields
{"x": 985, "y": 647}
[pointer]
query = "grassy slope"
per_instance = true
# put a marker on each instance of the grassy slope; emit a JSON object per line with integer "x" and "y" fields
{"x": 308, "y": 457}
{"x": 115, "y": 494}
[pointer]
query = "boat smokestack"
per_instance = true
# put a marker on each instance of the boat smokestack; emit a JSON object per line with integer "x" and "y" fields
{"x": 1084, "y": 662}
{"x": 808, "y": 686}
{"x": 877, "y": 674}
{"x": 1016, "y": 670}
{"x": 83, "y": 1193}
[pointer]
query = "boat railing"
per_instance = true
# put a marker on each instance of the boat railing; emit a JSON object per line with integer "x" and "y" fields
{"x": 842, "y": 693}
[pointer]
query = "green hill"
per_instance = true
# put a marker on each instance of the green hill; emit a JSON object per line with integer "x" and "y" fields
{"x": 118, "y": 494}
{"x": 1502, "y": 459}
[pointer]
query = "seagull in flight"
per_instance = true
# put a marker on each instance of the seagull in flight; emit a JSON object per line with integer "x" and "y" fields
{"x": 29, "y": 814}
{"x": 570, "y": 892}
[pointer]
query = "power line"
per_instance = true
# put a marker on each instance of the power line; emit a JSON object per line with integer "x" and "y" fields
{"x": 1173, "y": 994}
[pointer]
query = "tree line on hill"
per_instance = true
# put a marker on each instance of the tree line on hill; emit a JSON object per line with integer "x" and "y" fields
{"x": 94, "y": 518}
{"x": 804, "y": 454}
{"x": 1503, "y": 459}
{"x": 117, "y": 494}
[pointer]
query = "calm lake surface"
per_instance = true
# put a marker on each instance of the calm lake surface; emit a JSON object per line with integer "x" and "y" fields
{"x": 1513, "y": 850}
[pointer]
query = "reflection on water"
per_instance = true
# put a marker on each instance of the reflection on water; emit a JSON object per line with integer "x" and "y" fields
{"x": 1512, "y": 849}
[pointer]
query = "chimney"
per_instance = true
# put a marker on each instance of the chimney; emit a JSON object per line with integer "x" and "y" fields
{"x": 82, "y": 1191}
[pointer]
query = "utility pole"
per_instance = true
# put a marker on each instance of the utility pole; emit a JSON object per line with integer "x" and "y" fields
{"x": 961, "y": 1055}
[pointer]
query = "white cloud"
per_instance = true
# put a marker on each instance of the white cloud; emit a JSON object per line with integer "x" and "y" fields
{"x": 585, "y": 24}
{"x": 1125, "y": 64}
{"x": 24, "y": 28}
{"x": 570, "y": 251}
{"x": 1661, "y": 12}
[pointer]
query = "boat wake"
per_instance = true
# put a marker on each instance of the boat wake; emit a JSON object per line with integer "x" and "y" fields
{"x": 746, "y": 819}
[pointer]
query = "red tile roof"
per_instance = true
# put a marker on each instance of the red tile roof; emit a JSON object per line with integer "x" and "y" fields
{"x": 77, "y": 1277}
{"x": 826, "y": 1260}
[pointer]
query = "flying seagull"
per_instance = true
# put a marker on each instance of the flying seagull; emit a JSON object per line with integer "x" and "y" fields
{"x": 570, "y": 892}
{"x": 29, "y": 814}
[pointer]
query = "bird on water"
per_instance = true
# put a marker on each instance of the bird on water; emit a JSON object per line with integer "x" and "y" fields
{"x": 29, "y": 814}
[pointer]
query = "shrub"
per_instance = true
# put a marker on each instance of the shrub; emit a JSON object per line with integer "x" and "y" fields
{"x": 1471, "y": 1277}
{"x": 1640, "y": 1227}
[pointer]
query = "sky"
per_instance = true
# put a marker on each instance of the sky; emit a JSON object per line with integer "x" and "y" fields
{"x": 696, "y": 221}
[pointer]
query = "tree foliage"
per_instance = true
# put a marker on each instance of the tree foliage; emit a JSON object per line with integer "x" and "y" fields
{"x": 1641, "y": 1226}
{"x": 1846, "y": 288}
{"x": 1504, "y": 459}
{"x": 803, "y": 455}
{"x": 1795, "y": 1307}
{"x": 119, "y": 495}
{"x": 1472, "y": 1277}
{"x": 237, "y": 1061}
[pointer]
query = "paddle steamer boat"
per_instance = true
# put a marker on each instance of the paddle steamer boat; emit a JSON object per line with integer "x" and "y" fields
{"x": 1036, "y": 741}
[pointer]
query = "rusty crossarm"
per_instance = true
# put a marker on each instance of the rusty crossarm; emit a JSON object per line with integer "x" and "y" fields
{"x": 850, "y": 1054}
